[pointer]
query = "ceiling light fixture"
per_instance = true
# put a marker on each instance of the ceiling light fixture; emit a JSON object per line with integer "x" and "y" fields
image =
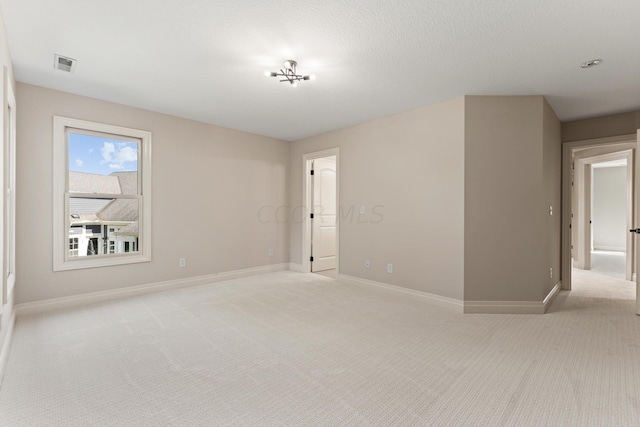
{"x": 289, "y": 72}
{"x": 591, "y": 63}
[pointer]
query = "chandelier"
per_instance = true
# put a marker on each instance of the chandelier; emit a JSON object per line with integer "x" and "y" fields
{"x": 289, "y": 73}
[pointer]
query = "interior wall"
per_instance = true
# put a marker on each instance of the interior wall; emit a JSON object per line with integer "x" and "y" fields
{"x": 552, "y": 176}
{"x": 211, "y": 187}
{"x": 512, "y": 177}
{"x": 601, "y": 127}
{"x": 609, "y": 211}
{"x": 408, "y": 172}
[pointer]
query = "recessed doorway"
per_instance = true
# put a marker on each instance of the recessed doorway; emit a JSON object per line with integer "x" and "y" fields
{"x": 592, "y": 247}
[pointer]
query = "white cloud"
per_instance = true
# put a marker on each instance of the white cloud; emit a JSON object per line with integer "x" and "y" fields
{"x": 108, "y": 148}
{"x": 118, "y": 155}
{"x": 126, "y": 154}
{"x": 79, "y": 162}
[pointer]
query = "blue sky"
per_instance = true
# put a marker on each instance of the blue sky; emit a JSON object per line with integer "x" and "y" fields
{"x": 100, "y": 155}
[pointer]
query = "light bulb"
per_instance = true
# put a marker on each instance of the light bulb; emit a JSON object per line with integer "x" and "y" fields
{"x": 294, "y": 83}
{"x": 267, "y": 73}
{"x": 287, "y": 65}
{"x": 312, "y": 77}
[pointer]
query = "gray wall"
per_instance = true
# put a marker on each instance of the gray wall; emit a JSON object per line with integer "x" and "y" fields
{"x": 552, "y": 194}
{"x": 490, "y": 163}
{"x": 601, "y": 127}
{"x": 411, "y": 165}
{"x": 512, "y": 176}
{"x": 209, "y": 184}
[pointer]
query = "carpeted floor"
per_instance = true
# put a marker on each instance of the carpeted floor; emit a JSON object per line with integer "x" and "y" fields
{"x": 609, "y": 264}
{"x": 300, "y": 349}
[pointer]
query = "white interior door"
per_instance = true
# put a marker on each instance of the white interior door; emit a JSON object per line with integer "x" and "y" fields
{"x": 637, "y": 215}
{"x": 323, "y": 224}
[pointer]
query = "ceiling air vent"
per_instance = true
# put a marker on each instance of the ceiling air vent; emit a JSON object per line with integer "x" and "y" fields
{"x": 65, "y": 64}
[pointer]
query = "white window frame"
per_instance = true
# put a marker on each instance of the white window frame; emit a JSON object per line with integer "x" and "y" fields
{"x": 61, "y": 261}
{"x": 8, "y": 174}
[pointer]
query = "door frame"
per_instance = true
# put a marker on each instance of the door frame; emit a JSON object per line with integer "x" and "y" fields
{"x": 582, "y": 187}
{"x": 307, "y": 193}
{"x": 621, "y": 142}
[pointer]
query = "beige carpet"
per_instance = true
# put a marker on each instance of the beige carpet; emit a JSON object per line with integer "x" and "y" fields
{"x": 301, "y": 349}
{"x": 609, "y": 264}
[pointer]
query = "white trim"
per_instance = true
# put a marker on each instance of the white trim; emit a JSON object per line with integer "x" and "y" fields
{"x": 503, "y": 307}
{"x": 9, "y": 190}
{"x": 296, "y": 267}
{"x": 582, "y": 191}
{"x": 606, "y": 248}
{"x": 440, "y": 301}
{"x": 4, "y": 83}
{"x": 60, "y": 217}
{"x": 43, "y": 306}
{"x": 467, "y": 307}
{"x": 6, "y": 345}
{"x": 306, "y": 200}
{"x": 567, "y": 148}
{"x": 551, "y": 296}
{"x": 512, "y": 307}
{"x": 636, "y": 254}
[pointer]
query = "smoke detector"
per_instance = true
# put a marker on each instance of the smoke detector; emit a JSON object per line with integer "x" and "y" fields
{"x": 64, "y": 63}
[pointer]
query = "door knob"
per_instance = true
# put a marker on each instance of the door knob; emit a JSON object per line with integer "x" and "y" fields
{"x": 635, "y": 230}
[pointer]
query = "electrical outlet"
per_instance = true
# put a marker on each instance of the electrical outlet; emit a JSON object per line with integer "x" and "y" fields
{"x": 367, "y": 263}
{"x": 551, "y": 210}
{"x": 182, "y": 262}
{"x": 389, "y": 268}
{"x": 551, "y": 273}
{"x": 270, "y": 251}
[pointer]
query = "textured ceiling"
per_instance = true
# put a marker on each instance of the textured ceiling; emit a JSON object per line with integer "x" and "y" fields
{"x": 205, "y": 60}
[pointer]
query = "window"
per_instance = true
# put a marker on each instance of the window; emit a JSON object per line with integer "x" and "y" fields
{"x": 102, "y": 195}
{"x": 73, "y": 246}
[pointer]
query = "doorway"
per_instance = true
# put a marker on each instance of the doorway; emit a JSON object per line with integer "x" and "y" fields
{"x": 321, "y": 227}
{"x": 578, "y": 185}
{"x": 602, "y": 210}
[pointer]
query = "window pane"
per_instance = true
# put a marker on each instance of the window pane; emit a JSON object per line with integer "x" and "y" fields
{"x": 102, "y": 164}
{"x": 102, "y": 226}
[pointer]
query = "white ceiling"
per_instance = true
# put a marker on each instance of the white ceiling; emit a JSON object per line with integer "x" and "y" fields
{"x": 205, "y": 60}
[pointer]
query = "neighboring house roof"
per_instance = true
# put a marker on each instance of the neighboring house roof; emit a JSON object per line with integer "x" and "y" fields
{"x": 84, "y": 210}
{"x": 120, "y": 210}
{"x": 129, "y": 230}
{"x": 128, "y": 181}
{"x": 80, "y": 182}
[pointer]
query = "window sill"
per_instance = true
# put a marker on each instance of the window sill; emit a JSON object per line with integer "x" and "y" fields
{"x": 104, "y": 261}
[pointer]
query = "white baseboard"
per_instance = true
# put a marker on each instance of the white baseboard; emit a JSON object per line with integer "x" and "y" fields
{"x": 503, "y": 307}
{"x": 551, "y": 296}
{"x": 296, "y": 267}
{"x": 101, "y": 296}
{"x": 486, "y": 307}
{"x": 6, "y": 344}
{"x": 512, "y": 307}
{"x": 610, "y": 248}
{"x": 440, "y": 301}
